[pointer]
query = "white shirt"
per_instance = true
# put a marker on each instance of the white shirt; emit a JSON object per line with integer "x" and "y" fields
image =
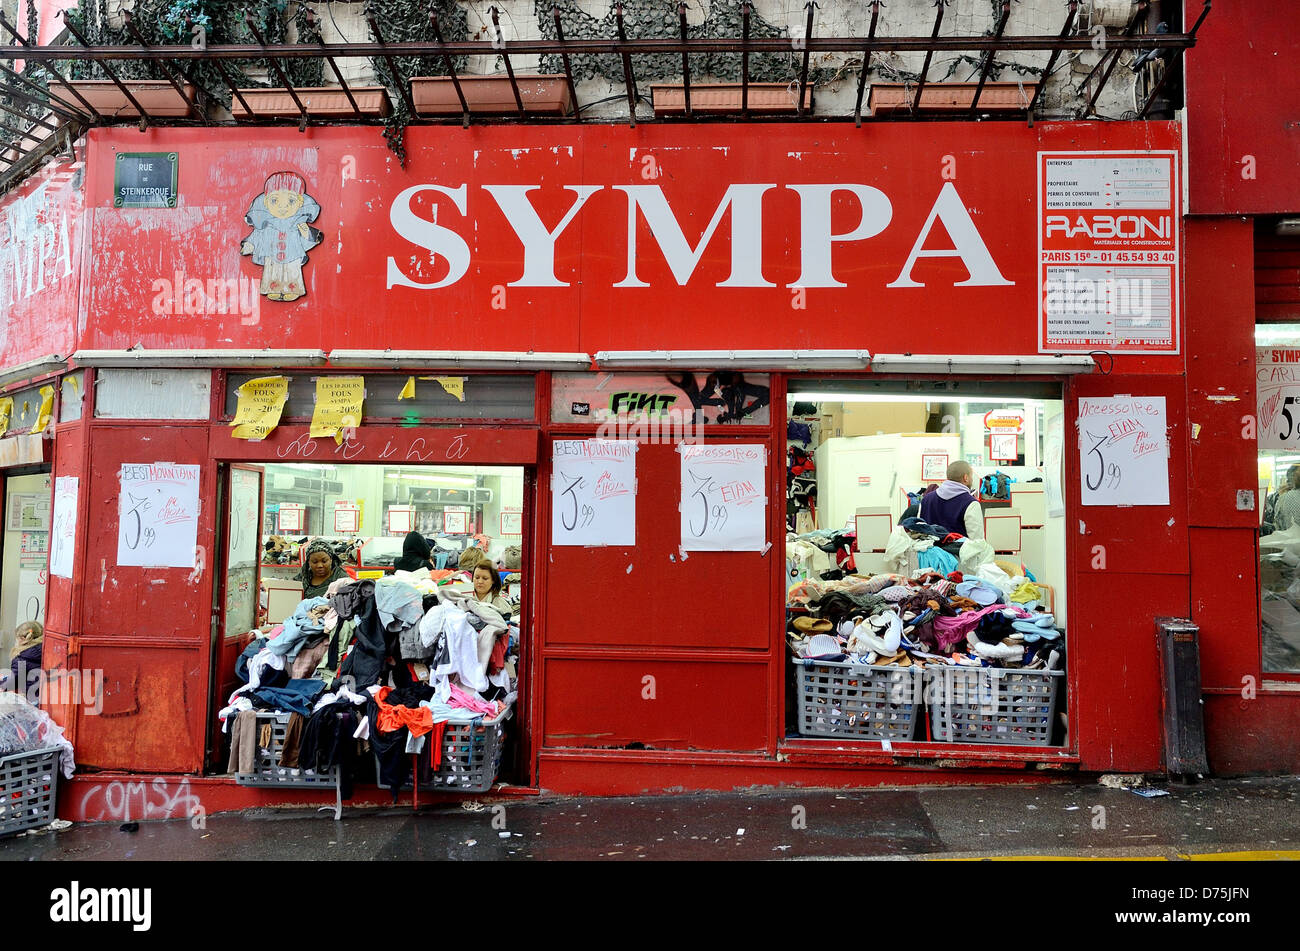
{"x": 974, "y": 518}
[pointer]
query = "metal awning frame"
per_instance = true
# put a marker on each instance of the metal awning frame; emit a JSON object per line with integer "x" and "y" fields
{"x": 70, "y": 111}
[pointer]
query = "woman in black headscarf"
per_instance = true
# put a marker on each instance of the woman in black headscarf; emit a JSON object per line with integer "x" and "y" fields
{"x": 415, "y": 553}
{"x": 320, "y": 568}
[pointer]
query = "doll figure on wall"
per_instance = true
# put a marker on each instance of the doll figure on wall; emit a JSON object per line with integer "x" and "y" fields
{"x": 282, "y": 235}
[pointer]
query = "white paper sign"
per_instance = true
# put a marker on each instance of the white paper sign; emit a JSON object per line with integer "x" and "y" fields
{"x": 593, "y": 492}
{"x": 1053, "y": 456}
{"x": 158, "y": 515}
{"x": 724, "y": 498}
{"x": 1123, "y": 450}
{"x": 65, "y": 526}
{"x": 1277, "y": 392}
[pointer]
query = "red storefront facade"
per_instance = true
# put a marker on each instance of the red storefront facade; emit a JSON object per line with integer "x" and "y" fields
{"x": 560, "y": 242}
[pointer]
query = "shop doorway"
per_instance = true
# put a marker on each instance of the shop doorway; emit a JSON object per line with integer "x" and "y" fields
{"x": 24, "y": 557}
{"x": 926, "y": 502}
{"x": 273, "y": 513}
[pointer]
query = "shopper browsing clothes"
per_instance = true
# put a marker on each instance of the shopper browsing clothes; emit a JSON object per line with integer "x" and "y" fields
{"x": 487, "y": 587}
{"x": 953, "y": 505}
{"x": 320, "y": 568}
{"x": 415, "y": 553}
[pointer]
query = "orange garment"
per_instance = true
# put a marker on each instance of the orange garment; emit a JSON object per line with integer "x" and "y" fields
{"x": 419, "y": 720}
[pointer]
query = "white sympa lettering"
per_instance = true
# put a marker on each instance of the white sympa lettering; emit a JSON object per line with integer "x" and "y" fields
{"x": 648, "y": 202}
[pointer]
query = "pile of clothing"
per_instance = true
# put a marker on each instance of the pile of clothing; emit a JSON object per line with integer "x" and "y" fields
{"x": 26, "y": 728}
{"x": 376, "y": 665}
{"x": 925, "y": 619}
{"x": 279, "y": 550}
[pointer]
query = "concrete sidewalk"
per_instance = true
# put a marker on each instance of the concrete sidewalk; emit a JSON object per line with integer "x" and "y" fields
{"x": 1255, "y": 818}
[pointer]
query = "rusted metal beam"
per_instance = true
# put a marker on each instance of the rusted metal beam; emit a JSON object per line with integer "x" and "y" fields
{"x": 925, "y": 69}
{"x": 1169, "y": 66}
{"x": 32, "y": 100}
{"x": 65, "y": 109}
{"x": 26, "y": 118}
{"x": 451, "y": 67}
{"x": 866, "y": 64}
{"x": 230, "y": 84}
{"x": 398, "y": 79}
{"x": 251, "y": 23}
{"x": 505, "y": 59}
{"x": 686, "y": 62}
{"x": 334, "y": 67}
{"x": 987, "y": 66}
{"x": 629, "y": 81}
{"x": 810, "y": 6}
{"x": 129, "y": 18}
{"x": 108, "y": 70}
{"x": 26, "y": 44}
{"x": 1073, "y": 8}
{"x": 564, "y": 55}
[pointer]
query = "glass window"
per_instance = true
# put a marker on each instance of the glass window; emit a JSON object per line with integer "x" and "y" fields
{"x": 486, "y": 396}
{"x": 868, "y": 496}
{"x": 1277, "y": 358}
{"x": 153, "y": 394}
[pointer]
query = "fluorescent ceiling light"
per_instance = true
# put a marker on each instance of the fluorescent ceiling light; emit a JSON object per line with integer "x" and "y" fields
{"x": 903, "y": 398}
{"x": 32, "y": 368}
{"x": 1277, "y": 333}
{"x": 739, "y": 359}
{"x": 273, "y": 359}
{"x": 476, "y": 360}
{"x": 1019, "y": 366}
{"x": 464, "y": 481}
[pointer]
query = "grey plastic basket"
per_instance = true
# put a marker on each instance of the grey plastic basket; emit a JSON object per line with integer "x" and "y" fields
{"x": 267, "y": 769}
{"x": 992, "y": 704}
{"x": 29, "y": 784}
{"x": 471, "y": 755}
{"x": 851, "y": 700}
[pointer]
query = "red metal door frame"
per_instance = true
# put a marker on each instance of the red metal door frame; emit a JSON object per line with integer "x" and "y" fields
{"x": 221, "y": 558}
{"x": 473, "y": 443}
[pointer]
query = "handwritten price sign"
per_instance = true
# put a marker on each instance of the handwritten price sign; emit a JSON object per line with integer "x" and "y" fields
{"x": 158, "y": 515}
{"x": 724, "y": 498}
{"x": 1123, "y": 450}
{"x": 593, "y": 492}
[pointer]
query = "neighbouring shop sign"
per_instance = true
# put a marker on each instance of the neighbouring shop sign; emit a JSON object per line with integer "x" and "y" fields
{"x": 593, "y": 492}
{"x": 1108, "y": 251}
{"x": 158, "y": 515}
{"x": 1123, "y": 450}
{"x": 723, "y": 498}
{"x": 1277, "y": 389}
{"x": 63, "y": 537}
{"x": 145, "y": 179}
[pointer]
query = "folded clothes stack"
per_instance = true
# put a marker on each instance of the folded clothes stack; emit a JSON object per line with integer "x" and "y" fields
{"x": 927, "y": 619}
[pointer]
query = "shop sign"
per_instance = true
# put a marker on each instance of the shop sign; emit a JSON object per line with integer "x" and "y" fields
{"x": 1004, "y": 421}
{"x": 1123, "y": 450}
{"x": 261, "y": 402}
{"x": 291, "y": 517}
{"x": 1108, "y": 251}
{"x": 338, "y": 406}
{"x": 347, "y": 517}
{"x": 1277, "y": 390}
{"x": 593, "y": 492}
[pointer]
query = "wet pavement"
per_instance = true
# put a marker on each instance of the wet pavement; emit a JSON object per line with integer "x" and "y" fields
{"x": 1084, "y": 820}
